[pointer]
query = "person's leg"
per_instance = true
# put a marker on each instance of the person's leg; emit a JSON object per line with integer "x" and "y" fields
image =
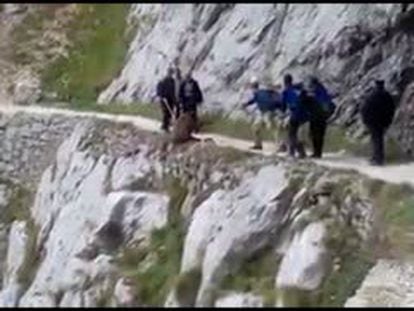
{"x": 323, "y": 127}
{"x": 166, "y": 117}
{"x": 272, "y": 127}
{"x": 257, "y": 128}
{"x": 300, "y": 146}
{"x": 283, "y": 136}
{"x": 195, "y": 118}
{"x": 293, "y": 137}
{"x": 377, "y": 142}
{"x": 313, "y": 131}
{"x": 177, "y": 110}
{"x": 318, "y": 130}
{"x": 381, "y": 153}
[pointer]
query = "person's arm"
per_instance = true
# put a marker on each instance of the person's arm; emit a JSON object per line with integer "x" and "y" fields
{"x": 181, "y": 92}
{"x": 390, "y": 104}
{"x": 159, "y": 89}
{"x": 199, "y": 94}
{"x": 250, "y": 102}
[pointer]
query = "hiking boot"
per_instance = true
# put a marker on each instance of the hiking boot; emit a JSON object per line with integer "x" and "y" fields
{"x": 282, "y": 148}
{"x": 165, "y": 129}
{"x": 301, "y": 151}
{"x": 256, "y": 147}
{"x": 316, "y": 156}
{"x": 376, "y": 163}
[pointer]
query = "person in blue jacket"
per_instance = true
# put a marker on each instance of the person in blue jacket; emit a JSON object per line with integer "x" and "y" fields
{"x": 298, "y": 115}
{"x": 268, "y": 101}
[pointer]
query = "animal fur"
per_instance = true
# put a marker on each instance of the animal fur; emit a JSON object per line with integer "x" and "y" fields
{"x": 183, "y": 128}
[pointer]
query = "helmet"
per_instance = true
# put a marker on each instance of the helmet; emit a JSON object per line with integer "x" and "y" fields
{"x": 254, "y": 80}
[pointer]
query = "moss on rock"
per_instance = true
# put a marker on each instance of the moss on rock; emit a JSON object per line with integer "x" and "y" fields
{"x": 255, "y": 275}
{"x": 186, "y": 287}
{"x": 32, "y": 258}
{"x": 154, "y": 278}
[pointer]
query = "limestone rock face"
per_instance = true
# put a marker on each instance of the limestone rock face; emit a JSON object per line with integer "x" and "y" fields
{"x": 347, "y": 45}
{"x": 81, "y": 218}
{"x": 27, "y": 89}
{"x": 124, "y": 294}
{"x": 304, "y": 263}
{"x": 117, "y": 216}
{"x": 388, "y": 284}
{"x": 232, "y": 225}
{"x": 16, "y": 254}
{"x": 238, "y": 300}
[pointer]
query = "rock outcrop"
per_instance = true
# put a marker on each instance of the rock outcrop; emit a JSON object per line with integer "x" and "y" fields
{"x": 388, "y": 284}
{"x": 121, "y": 217}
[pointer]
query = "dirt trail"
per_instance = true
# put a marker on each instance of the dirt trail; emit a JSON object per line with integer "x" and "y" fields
{"x": 398, "y": 173}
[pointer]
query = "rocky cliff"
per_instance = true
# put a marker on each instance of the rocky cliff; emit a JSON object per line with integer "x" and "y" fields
{"x": 116, "y": 216}
{"x": 98, "y": 212}
{"x": 346, "y": 45}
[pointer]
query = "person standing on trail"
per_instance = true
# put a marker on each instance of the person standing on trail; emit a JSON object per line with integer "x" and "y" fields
{"x": 268, "y": 101}
{"x": 320, "y": 106}
{"x": 166, "y": 93}
{"x": 297, "y": 115}
{"x": 191, "y": 97}
{"x": 377, "y": 115}
{"x": 177, "y": 79}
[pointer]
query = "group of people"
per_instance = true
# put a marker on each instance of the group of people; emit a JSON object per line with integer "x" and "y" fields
{"x": 177, "y": 95}
{"x": 310, "y": 102}
{"x": 289, "y": 107}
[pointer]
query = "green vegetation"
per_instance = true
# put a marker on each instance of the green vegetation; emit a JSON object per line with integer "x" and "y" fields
{"x": 231, "y": 155}
{"x": 186, "y": 287}
{"x": 343, "y": 283}
{"x": 145, "y": 110}
{"x": 98, "y": 48}
{"x": 164, "y": 252}
{"x": 396, "y": 206}
{"x": 19, "y": 206}
{"x": 293, "y": 297}
{"x": 24, "y": 34}
{"x": 238, "y": 128}
{"x": 255, "y": 275}
{"x": 19, "y": 210}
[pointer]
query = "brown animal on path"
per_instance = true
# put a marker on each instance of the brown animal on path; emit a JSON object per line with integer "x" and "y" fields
{"x": 183, "y": 127}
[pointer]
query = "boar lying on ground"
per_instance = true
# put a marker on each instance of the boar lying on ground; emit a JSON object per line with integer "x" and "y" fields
{"x": 183, "y": 127}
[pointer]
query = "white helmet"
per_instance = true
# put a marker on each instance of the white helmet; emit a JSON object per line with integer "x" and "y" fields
{"x": 254, "y": 80}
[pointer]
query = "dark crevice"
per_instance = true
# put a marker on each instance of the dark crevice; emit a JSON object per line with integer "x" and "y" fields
{"x": 215, "y": 14}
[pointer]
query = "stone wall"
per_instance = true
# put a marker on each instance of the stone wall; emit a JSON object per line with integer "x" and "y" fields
{"x": 28, "y": 144}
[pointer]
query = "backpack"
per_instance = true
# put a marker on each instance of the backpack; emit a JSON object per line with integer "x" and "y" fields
{"x": 274, "y": 100}
{"x": 329, "y": 108}
{"x": 325, "y": 100}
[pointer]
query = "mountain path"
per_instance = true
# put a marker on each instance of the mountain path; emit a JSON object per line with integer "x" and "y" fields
{"x": 392, "y": 173}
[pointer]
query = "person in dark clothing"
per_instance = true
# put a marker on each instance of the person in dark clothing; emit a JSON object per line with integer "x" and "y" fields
{"x": 319, "y": 104}
{"x": 191, "y": 97}
{"x": 297, "y": 115}
{"x": 377, "y": 115}
{"x": 166, "y": 92}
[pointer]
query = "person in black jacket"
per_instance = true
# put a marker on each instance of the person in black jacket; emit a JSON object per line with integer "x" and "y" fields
{"x": 191, "y": 97}
{"x": 166, "y": 92}
{"x": 377, "y": 115}
{"x": 320, "y": 107}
